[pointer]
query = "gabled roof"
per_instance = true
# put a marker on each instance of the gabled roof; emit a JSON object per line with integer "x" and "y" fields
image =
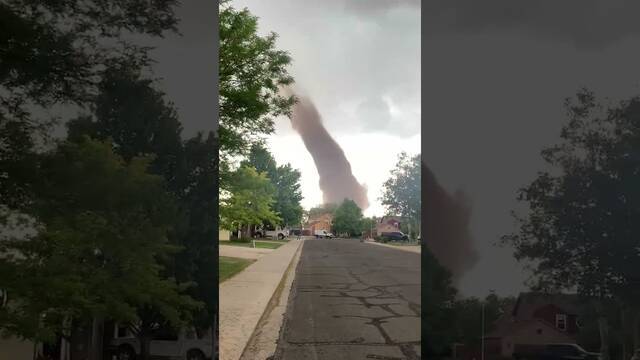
{"x": 389, "y": 217}
{"x": 529, "y": 302}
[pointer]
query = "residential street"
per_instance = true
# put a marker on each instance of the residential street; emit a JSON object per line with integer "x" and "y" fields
{"x": 352, "y": 300}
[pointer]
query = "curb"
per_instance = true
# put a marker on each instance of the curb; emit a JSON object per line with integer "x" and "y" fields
{"x": 413, "y": 249}
{"x": 263, "y": 342}
{"x": 245, "y": 297}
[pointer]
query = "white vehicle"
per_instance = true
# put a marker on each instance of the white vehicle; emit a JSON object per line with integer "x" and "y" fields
{"x": 323, "y": 234}
{"x": 185, "y": 344}
{"x": 278, "y": 233}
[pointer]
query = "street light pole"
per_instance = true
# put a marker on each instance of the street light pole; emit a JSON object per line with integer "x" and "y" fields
{"x": 482, "y": 339}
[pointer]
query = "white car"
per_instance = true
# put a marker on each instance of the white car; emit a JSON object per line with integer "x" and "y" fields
{"x": 323, "y": 234}
{"x": 185, "y": 345}
{"x": 278, "y": 233}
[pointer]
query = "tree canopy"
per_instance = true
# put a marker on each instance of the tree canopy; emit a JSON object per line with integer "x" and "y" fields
{"x": 581, "y": 231}
{"x": 347, "y": 218}
{"x": 438, "y": 295}
{"x": 401, "y": 193}
{"x": 252, "y": 70}
{"x": 100, "y": 221}
{"x": 250, "y": 199}
{"x": 286, "y": 181}
{"x": 54, "y": 54}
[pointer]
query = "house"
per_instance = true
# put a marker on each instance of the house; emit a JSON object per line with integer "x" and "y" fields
{"x": 535, "y": 319}
{"x": 387, "y": 224}
{"x": 224, "y": 235}
{"x": 320, "y": 222}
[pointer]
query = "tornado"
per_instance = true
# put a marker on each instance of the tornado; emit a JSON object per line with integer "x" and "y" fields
{"x": 336, "y": 178}
{"x": 446, "y": 219}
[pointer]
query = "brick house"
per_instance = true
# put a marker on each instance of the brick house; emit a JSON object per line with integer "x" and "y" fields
{"x": 534, "y": 320}
{"x": 320, "y": 222}
{"x": 387, "y": 224}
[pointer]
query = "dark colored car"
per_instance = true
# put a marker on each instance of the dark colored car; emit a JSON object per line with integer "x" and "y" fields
{"x": 395, "y": 235}
{"x": 553, "y": 352}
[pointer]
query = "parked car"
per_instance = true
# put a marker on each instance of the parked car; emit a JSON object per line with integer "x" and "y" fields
{"x": 553, "y": 352}
{"x": 278, "y": 233}
{"x": 168, "y": 343}
{"x": 323, "y": 234}
{"x": 395, "y": 235}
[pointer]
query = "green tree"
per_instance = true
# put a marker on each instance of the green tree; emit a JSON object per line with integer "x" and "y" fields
{"x": 401, "y": 193}
{"x": 53, "y": 53}
{"x": 139, "y": 120}
{"x": 251, "y": 73}
{"x": 438, "y": 297}
{"x": 262, "y": 160}
{"x": 100, "y": 225}
{"x": 468, "y": 316}
{"x": 581, "y": 230}
{"x": 323, "y": 209}
{"x": 286, "y": 180}
{"x": 369, "y": 226}
{"x": 130, "y": 111}
{"x": 288, "y": 196}
{"x": 249, "y": 201}
{"x": 347, "y": 218}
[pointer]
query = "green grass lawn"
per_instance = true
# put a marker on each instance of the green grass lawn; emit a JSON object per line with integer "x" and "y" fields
{"x": 230, "y": 266}
{"x": 260, "y": 244}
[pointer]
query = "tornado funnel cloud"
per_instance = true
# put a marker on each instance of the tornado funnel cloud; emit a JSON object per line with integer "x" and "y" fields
{"x": 446, "y": 226}
{"x": 336, "y": 178}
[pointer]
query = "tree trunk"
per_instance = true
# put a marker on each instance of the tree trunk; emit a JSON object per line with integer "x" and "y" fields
{"x": 603, "y": 327}
{"x": 636, "y": 330}
{"x": 625, "y": 328}
{"x": 145, "y": 339}
{"x": 97, "y": 334}
{"x": 246, "y": 232}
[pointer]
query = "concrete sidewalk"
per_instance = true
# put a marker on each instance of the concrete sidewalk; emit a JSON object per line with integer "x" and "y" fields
{"x": 244, "y": 298}
{"x": 242, "y": 252}
{"x": 410, "y": 248}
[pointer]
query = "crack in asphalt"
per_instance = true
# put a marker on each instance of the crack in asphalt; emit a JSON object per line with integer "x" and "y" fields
{"x": 367, "y": 295}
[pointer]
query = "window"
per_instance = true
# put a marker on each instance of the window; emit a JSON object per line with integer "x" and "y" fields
{"x": 165, "y": 333}
{"x": 561, "y": 321}
{"x": 122, "y": 331}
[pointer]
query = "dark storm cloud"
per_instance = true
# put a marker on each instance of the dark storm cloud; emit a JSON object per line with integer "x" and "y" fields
{"x": 496, "y": 75}
{"x": 584, "y": 23}
{"x": 375, "y": 6}
{"x": 187, "y": 65}
{"x": 375, "y": 113}
{"x": 346, "y": 52}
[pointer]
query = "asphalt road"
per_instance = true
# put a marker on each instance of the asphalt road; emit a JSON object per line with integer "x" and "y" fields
{"x": 352, "y": 300}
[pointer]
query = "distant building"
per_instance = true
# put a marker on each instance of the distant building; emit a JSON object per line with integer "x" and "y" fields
{"x": 535, "y": 319}
{"x": 388, "y": 224}
{"x": 320, "y": 222}
{"x": 224, "y": 235}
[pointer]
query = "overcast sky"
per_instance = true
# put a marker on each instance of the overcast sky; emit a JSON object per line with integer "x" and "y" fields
{"x": 495, "y": 78}
{"x": 361, "y": 67}
{"x": 496, "y": 74}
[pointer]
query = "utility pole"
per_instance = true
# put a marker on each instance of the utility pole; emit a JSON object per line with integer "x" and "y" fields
{"x": 482, "y": 339}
